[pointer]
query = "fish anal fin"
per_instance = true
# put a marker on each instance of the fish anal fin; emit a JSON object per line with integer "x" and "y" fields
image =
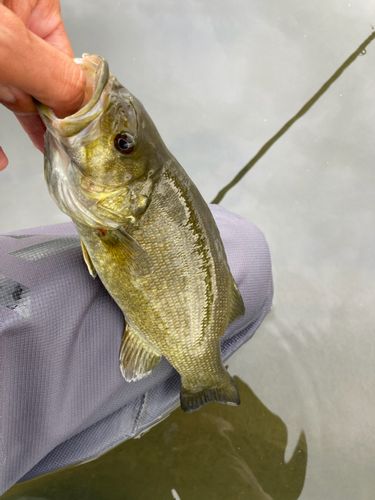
{"x": 237, "y": 308}
{"x": 87, "y": 259}
{"x": 225, "y": 392}
{"x": 137, "y": 358}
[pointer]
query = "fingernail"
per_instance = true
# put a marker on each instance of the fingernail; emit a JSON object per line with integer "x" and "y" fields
{"x": 6, "y": 95}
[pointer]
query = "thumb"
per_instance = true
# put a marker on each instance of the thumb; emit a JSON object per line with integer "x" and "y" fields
{"x": 32, "y": 65}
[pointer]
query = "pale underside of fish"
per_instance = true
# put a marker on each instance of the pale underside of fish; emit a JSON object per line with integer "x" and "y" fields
{"x": 148, "y": 234}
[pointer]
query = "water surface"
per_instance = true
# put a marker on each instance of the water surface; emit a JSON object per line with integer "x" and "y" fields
{"x": 220, "y": 452}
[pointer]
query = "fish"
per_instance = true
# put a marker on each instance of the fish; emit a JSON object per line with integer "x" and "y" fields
{"x": 148, "y": 234}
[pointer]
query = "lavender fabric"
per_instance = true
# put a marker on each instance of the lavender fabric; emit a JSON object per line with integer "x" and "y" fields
{"x": 62, "y": 397}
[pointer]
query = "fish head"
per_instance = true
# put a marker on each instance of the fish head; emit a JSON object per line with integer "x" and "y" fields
{"x": 101, "y": 150}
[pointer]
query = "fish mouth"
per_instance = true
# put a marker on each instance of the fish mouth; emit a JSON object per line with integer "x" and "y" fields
{"x": 97, "y": 75}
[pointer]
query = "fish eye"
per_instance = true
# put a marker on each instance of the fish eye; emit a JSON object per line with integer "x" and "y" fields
{"x": 124, "y": 143}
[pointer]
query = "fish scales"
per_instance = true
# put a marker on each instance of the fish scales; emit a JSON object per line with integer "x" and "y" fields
{"x": 148, "y": 234}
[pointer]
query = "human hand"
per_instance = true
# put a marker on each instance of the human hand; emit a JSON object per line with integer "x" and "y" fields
{"x": 36, "y": 62}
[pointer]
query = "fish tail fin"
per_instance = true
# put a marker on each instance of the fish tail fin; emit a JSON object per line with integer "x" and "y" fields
{"x": 225, "y": 392}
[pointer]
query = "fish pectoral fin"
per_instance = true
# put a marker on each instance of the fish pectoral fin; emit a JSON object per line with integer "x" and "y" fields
{"x": 225, "y": 391}
{"x": 87, "y": 259}
{"x": 137, "y": 358}
{"x": 125, "y": 248}
{"x": 237, "y": 308}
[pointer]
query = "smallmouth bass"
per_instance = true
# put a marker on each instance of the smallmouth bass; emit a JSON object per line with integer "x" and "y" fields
{"x": 148, "y": 234}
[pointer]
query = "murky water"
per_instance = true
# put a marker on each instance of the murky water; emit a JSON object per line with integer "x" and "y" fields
{"x": 220, "y": 79}
{"x": 220, "y": 452}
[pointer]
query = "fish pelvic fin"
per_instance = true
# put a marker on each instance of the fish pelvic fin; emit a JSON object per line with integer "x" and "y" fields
{"x": 225, "y": 392}
{"x": 237, "y": 308}
{"x": 137, "y": 358}
{"x": 87, "y": 259}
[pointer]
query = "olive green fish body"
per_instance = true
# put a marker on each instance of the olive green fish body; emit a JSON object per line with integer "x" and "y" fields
{"x": 155, "y": 246}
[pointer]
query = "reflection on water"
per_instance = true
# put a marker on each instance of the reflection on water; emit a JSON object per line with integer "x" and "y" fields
{"x": 360, "y": 51}
{"x": 219, "y": 452}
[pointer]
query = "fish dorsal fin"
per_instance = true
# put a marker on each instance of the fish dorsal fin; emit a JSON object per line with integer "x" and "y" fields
{"x": 126, "y": 249}
{"x": 87, "y": 258}
{"x": 237, "y": 308}
{"x": 137, "y": 358}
